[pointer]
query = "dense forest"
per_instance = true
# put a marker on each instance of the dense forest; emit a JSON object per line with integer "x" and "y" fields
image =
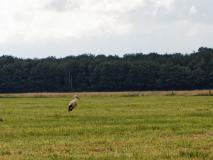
{"x": 108, "y": 73}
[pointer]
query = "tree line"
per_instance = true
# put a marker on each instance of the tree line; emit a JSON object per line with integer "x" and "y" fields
{"x": 87, "y": 72}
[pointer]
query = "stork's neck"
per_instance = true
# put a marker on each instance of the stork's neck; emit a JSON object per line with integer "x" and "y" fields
{"x": 76, "y": 99}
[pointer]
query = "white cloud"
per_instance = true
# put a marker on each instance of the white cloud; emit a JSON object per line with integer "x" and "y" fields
{"x": 164, "y": 3}
{"x": 33, "y": 20}
{"x": 193, "y": 10}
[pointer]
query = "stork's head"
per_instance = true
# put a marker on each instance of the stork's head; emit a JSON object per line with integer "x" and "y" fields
{"x": 75, "y": 96}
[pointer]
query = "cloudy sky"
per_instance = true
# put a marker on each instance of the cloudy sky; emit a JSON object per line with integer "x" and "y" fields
{"x": 41, "y": 28}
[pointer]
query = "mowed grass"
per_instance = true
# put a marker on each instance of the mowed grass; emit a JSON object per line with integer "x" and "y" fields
{"x": 111, "y": 127}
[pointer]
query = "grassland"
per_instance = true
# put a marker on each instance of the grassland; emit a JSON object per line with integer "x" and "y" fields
{"x": 107, "y": 127}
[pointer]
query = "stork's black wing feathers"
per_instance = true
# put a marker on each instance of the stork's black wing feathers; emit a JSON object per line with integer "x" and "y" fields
{"x": 70, "y": 107}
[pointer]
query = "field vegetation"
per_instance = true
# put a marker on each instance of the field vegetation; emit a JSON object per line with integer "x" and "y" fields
{"x": 106, "y": 126}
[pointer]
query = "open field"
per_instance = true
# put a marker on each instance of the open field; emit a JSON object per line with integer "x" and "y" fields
{"x": 121, "y": 126}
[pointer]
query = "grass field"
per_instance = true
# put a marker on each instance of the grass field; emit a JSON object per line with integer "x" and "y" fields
{"x": 107, "y": 127}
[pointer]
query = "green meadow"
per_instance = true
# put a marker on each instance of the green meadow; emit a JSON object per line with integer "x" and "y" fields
{"x": 107, "y": 127}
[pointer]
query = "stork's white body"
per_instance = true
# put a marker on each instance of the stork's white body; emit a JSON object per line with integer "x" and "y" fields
{"x": 73, "y": 103}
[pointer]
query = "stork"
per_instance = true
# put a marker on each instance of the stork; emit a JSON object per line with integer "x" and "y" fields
{"x": 73, "y": 103}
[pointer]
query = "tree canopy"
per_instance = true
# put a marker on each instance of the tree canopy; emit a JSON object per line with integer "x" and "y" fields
{"x": 88, "y": 72}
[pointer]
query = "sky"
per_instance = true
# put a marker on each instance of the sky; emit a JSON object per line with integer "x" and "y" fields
{"x": 42, "y": 28}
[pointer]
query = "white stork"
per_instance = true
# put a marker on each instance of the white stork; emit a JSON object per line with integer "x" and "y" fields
{"x": 73, "y": 103}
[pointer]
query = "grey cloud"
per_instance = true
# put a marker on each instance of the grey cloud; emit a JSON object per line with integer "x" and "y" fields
{"x": 171, "y": 24}
{"x": 204, "y": 8}
{"x": 180, "y": 11}
{"x": 61, "y": 5}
